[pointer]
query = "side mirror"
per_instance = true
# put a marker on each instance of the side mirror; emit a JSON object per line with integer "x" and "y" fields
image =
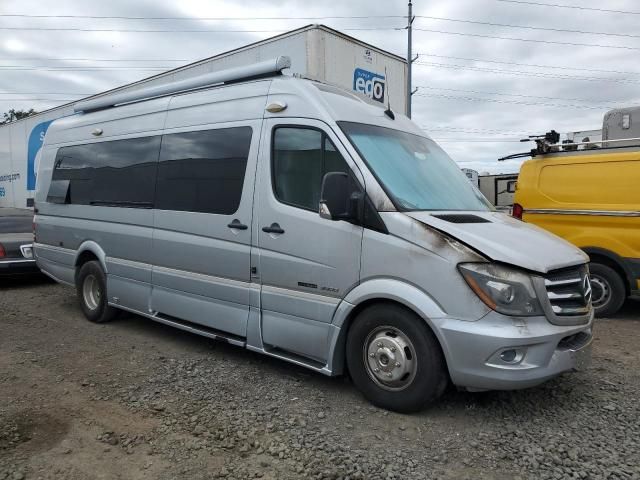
{"x": 511, "y": 186}
{"x": 340, "y": 198}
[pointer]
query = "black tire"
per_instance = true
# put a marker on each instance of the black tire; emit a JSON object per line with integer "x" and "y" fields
{"x": 94, "y": 306}
{"x": 413, "y": 391}
{"x": 608, "y": 290}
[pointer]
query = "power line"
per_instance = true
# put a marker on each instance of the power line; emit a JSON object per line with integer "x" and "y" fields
{"x": 92, "y": 67}
{"x": 157, "y": 68}
{"x": 575, "y": 7}
{"x": 37, "y": 99}
{"x": 529, "y": 27}
{"x": 473, "y": 140}
{"x": 355, "y": 17}
{"x": 515, "y": 95}
{"x": 98, "y": 59}
{"x": 85, "y": 69}
{"x": 551, "y": 42}
{"x": 45, "y": 93}
{"x": 75, "y": 29}
{"x": 134, "y": 30}
{"x": 530, "y": 74}
{"x": 502, "y": 132}
{"x": 514, "y": 102}
{"x": 97, "y": 17}
{"x": 564, "y": 67}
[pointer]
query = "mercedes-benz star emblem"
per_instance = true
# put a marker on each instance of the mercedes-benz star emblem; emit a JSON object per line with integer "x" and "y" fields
{"x": 586, "y": 289}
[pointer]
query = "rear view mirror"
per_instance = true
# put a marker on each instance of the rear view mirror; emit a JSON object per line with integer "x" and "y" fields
{"x": 340, "y": 198}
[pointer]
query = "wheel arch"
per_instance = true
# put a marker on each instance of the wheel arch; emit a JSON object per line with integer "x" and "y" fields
{"x": 90, "y": 250}
{"x": 379, "y": 291}
{"x": 613, "y": 260}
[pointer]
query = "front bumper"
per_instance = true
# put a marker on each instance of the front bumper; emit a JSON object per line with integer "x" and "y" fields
{"x": 542, "y": 350}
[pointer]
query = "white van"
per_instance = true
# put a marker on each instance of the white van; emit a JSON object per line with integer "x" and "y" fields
{"x": 304, "y": 222}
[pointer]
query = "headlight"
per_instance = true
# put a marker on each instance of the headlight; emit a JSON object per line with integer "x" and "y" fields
{"x": 505, "y": 290}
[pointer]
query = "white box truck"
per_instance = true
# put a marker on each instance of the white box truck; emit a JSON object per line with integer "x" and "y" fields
{"x": 316, "y": 52}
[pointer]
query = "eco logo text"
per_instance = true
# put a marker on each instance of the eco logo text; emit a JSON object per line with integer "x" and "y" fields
{"x": 369, "y": 83}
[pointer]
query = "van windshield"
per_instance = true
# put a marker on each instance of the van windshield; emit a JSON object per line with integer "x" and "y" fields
{"x": 414, "y": 171}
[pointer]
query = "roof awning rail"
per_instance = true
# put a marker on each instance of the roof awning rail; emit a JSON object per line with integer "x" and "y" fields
{"x": 256, "y": 70}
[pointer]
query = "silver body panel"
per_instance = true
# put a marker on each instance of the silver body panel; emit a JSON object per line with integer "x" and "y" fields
{"x": 292, "y": 295}
{"x": 530, "y": 248}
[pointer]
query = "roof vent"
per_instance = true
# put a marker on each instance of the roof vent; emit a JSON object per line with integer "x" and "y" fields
{"x": 461, "y": 218}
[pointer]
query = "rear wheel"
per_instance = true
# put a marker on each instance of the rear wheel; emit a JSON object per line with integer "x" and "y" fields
{"x": 608, "y": 291}
{"x": 91, "y": 285}
{"x": 394, "y": 359}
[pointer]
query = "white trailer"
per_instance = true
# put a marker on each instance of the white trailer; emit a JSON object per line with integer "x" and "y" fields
{"x": 472, "y": 175}
{"x": 621, "y": 124}
{"x": 316, "y": 52}
{"x": 499, "y": 189}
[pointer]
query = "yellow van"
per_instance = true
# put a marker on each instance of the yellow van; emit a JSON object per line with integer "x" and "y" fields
{"x": 590, "y": 198}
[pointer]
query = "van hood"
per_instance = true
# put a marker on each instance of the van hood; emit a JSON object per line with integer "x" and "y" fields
{"x": 502, "y": 238}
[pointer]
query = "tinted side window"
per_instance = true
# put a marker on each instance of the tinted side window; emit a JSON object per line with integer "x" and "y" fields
{"x": 76, "y": 164}
{"x": 301, "y": 158}
{"x": 203, "y": 171}
{"x": 127, "y": 173}
{"x": 120, "y": 173}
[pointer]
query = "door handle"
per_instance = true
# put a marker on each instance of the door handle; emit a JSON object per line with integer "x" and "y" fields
{"x": 237, "y": 225}
{"x": 273, "y": 228}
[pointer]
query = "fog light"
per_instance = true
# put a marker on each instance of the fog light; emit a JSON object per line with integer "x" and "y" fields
{"x": 509, "y": 356}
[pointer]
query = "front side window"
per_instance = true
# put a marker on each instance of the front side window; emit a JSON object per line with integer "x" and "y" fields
{"x": 414, "y": 171}
{"x": 203, "y": 171}
{"x": 301, "y": 158}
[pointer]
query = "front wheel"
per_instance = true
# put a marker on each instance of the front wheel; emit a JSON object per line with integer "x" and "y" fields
{"x": 91, "y": 285}
{"x": 608, "y": 291}
{"x": 394, "y": 359}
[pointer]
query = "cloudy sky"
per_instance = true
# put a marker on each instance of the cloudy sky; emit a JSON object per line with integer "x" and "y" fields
{"x": 477, "y": 94}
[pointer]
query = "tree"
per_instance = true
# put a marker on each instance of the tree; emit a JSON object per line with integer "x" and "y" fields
{"x": 13, "y": 115}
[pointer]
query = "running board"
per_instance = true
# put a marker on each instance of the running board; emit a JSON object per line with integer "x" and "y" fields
{"x": 293, "y": 358}
{"x": 199, "y": 329}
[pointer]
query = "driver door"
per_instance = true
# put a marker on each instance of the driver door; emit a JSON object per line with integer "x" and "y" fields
{"x": 306, "y": 263}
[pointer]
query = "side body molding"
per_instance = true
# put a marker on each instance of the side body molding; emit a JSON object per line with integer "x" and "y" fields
{"x": 93, "y": 247}
{"x": 379, "y": 289}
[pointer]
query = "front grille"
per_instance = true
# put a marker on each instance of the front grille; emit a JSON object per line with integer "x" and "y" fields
{"x": 569, "y": 292}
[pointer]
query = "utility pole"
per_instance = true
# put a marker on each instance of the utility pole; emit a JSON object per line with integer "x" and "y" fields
{"x": 410, "y": 59}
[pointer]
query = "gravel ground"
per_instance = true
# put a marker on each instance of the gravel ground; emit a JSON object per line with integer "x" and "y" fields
{"x": 137, "y": 400}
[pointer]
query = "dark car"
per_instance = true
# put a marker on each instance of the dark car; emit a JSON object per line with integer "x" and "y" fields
{"x": 16, "y": 237}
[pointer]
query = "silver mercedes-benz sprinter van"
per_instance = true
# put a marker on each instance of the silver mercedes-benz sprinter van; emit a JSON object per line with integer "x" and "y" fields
{"x": 299, "y": 220}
